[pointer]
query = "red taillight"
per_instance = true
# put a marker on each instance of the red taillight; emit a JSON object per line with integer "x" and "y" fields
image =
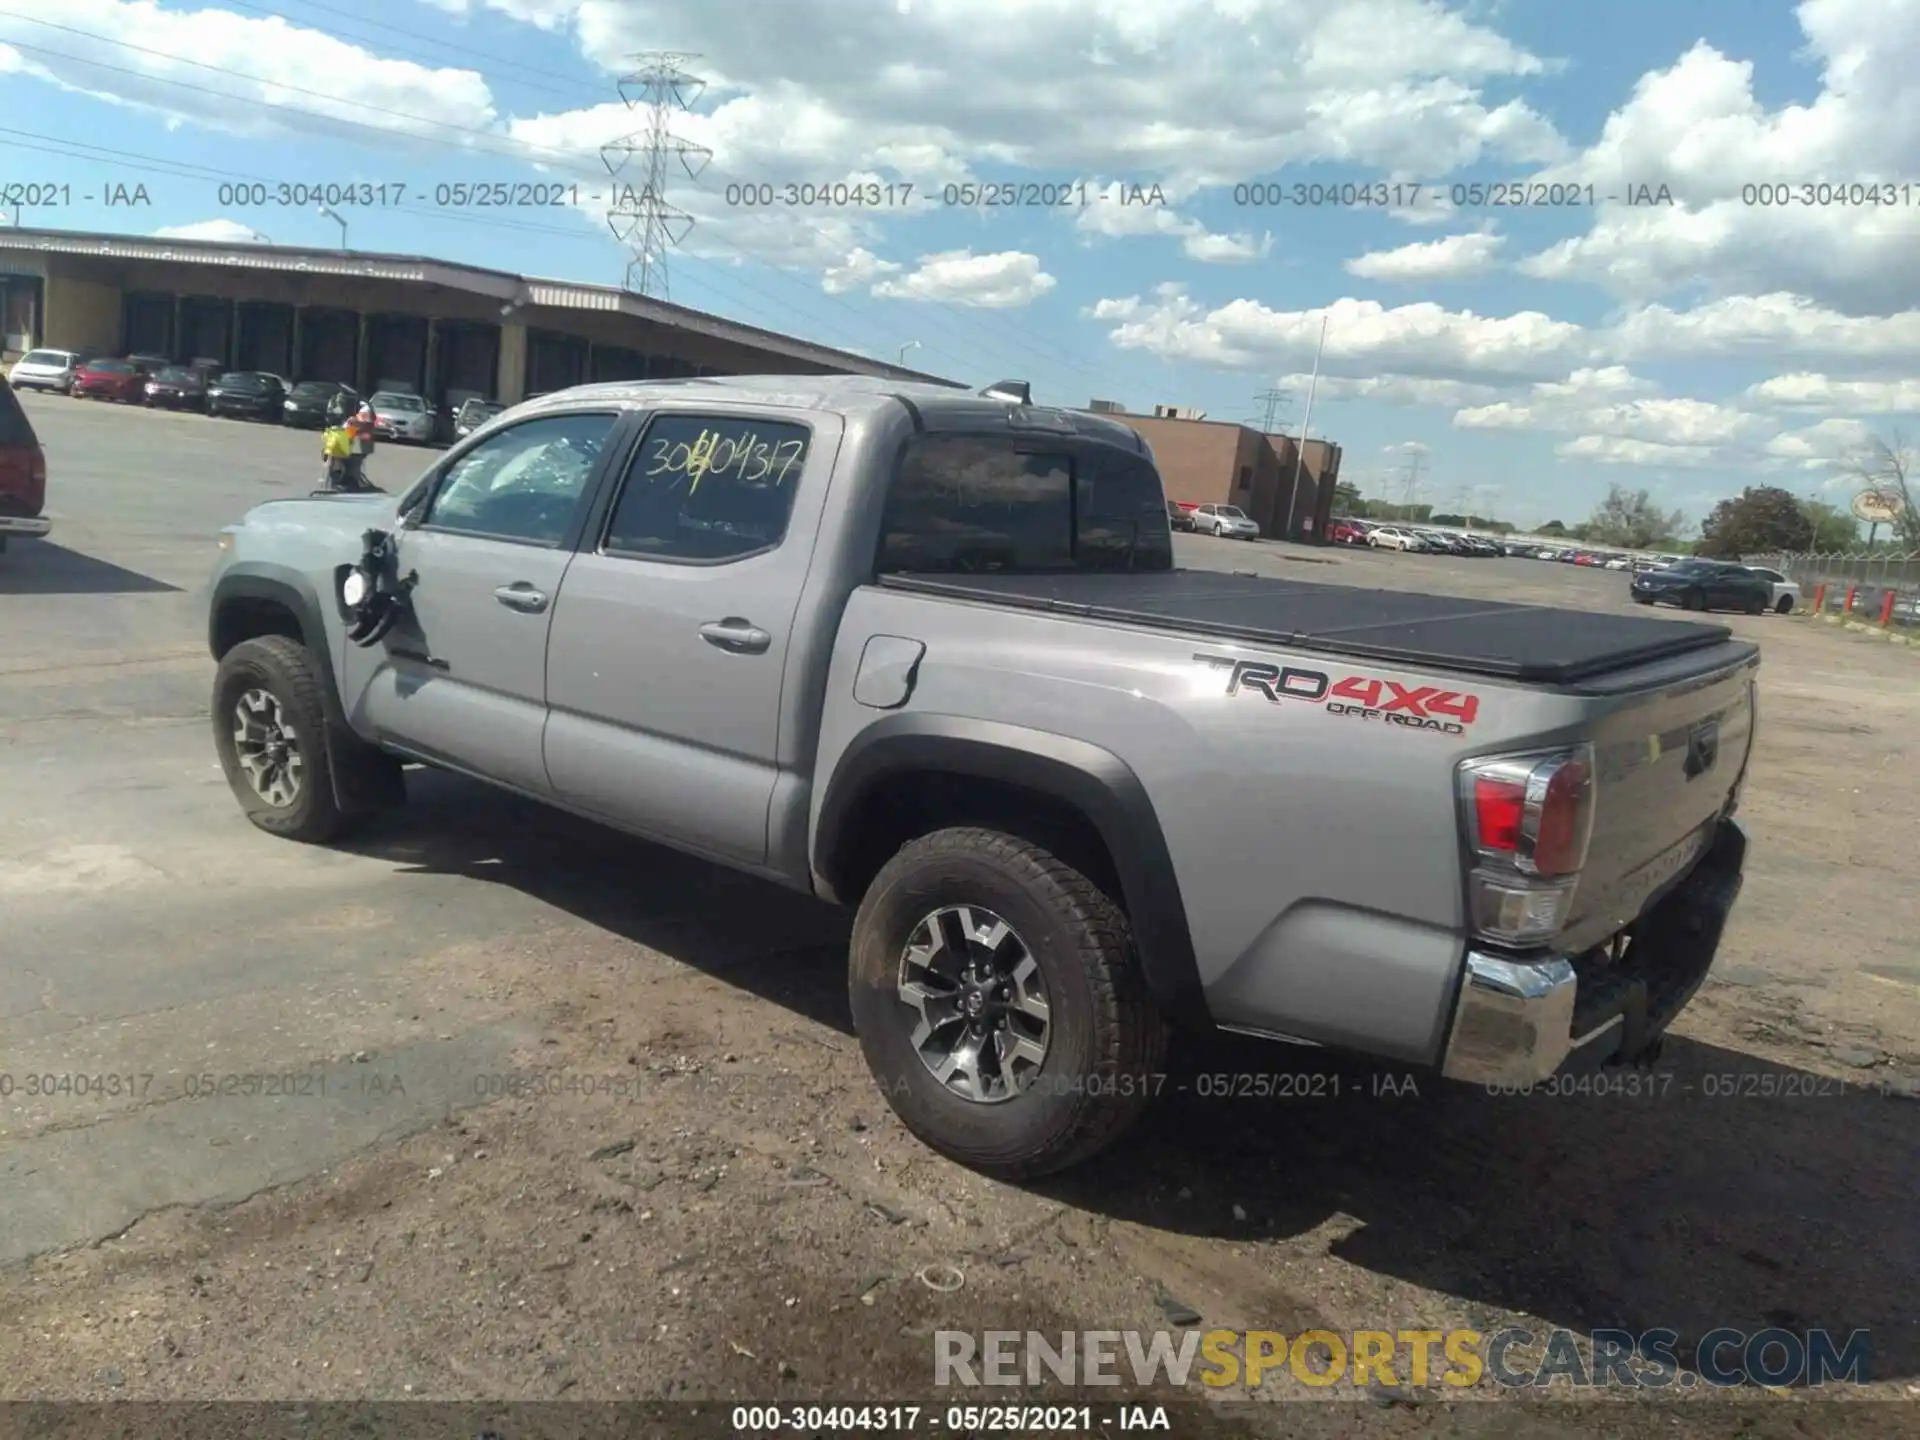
{"x": 1532, "y": 813}
{"x": 23, "y": 480}
{"x": 1499, "y": 809}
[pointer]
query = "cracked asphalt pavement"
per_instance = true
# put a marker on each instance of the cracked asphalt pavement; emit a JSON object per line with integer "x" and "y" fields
{"x": 494, "y": 1105}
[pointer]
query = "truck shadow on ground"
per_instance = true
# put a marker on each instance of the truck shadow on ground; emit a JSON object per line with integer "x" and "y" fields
{"x": 1717, "y": 1190}
{"x": 40, "y": 567}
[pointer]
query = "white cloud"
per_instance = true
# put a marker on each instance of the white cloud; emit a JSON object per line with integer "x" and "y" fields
{"x": 1834, "y": 443}
{"x": 1393, "y": 389}
{"x": 228, "y": 230}
{"x": 1623, "y": 450}
{"x": 1452, "y": 257}
{"x": 1421, "y": 339}
{"x": 1805, "y": 390}
{"x": 342, "y": 87}
{"x": 1698, "y": 127}
{"x": 1765, "y": 327}
{"x": 1114, "y": 211}
{"x": 861, "y": 270}
{"x": 1004, "y": 281}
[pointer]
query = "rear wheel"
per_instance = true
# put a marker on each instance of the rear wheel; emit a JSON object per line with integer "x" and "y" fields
{"x": 1784, "y": 605}
{"x": 1000, "y": 1005}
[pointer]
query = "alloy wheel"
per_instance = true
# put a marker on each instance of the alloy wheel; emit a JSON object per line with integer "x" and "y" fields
{"x": 268, "y": 752}
{"x": 982, "y": 1019}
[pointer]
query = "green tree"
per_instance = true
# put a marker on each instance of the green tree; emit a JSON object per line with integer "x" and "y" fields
{"x": 1346, "y": 498}
{"x": 1834, "y": 529}
{"x": 1553, "y": 527}
{"x": 1630, "y": 520}
{"x": 1887, "y": 466}
{"x": 1456, "y": 520}
{"x": 1761, "y": 519}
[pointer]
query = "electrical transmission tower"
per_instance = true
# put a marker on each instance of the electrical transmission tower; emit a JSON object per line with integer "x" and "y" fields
{"x": 1411, "y": 486}
{"x": 640, "y": 214}
{"x": 1273, "y": 400}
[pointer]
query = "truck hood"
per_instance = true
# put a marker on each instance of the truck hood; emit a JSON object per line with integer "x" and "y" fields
{"x": 322, "y": 518}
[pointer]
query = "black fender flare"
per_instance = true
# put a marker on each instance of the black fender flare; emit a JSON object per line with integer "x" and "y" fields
{"x": 1094, "y": 781}
{"x": 356, "y": 784}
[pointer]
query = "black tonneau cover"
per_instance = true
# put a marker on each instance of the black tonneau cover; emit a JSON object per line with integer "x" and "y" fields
{"x": 1537, "y": 644}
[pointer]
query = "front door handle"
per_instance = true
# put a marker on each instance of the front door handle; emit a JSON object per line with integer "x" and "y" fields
{"x": 522, "y": 597}
{"x": 741, "y": 637}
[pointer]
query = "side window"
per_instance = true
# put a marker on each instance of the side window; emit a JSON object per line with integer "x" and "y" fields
{"x": 967, "y": 504}
{"x": 524, "y": 483}
{"x": 708, "y": 488}
{"x": 1120, "y": 514}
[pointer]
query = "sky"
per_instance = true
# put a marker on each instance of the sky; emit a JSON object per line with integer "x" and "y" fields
{"x": 1666, "y": 244}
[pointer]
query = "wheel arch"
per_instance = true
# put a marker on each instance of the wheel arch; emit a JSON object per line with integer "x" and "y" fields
{"x": 908, "y": 773}
{"x": 255, "y": 598}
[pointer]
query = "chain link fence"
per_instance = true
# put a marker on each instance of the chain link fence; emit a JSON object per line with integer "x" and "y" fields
{"x": 1865, "y": 580}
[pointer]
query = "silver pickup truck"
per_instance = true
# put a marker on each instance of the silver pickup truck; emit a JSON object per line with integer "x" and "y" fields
{"x": 925, "y": 653}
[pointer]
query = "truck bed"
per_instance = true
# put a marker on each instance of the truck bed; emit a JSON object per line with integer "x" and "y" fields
{"x": 1536, "y": 644}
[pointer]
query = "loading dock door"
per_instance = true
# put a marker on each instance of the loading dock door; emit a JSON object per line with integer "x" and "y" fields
{"x": 612, "y": 362}
{"x": 397, "y": 352}
{"x": 469, "y": 360}
{"x": 206, "y": 330}
{"x": 329, "y": 345}
{"x": 146, "y": 325}
{"x": 266, "y": 338}
{"x": 554, "y": 362}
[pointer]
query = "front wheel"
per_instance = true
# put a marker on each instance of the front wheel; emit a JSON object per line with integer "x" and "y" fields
{"x": 1694, "y": 600}
{"x": 1785, "y": 605}
{"x": 270, "y": 729}
{"x": 1000, "y": 1004}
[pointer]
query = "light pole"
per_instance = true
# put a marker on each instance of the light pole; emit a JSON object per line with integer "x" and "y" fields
{"x": 1300, "y": 447}
{"x": 328, "y": 211}
{"x": 910, "y": 345}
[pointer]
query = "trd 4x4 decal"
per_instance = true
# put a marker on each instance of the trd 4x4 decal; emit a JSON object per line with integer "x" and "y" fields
{"x": 1359, "y": 697}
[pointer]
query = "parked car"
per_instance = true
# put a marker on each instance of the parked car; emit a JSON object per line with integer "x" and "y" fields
{"x": 111, "y": 380}
{"x": 1178, "y": 516}
{"x": 177, "y": 388}
{"x": 1615, "y": 562}
{"x": 23, "y": 474}
{"x": 312, "y": 404}
{"x": 151, "y": 363}
{"x": 247, "y": 394}
{"x": 48, "y": 370}
{"x": 399, "y": 416}
{"x": 1704, "y": 585}
{"x": 1441, "y": 543}
{"x": 1394, "y": 537}
{"x": 1229, "y": 522}
{"x": 1786, "y": 593}
{"x": 472, "y": 414}
{"x": 1029, "y": 733}
{"x": 1348, "y": 532}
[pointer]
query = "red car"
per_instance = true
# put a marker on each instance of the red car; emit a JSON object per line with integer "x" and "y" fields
{"x": 111, "y": 380}
{"x": 1347, "y": 532}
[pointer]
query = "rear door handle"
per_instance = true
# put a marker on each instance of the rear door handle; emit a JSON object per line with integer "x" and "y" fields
{"x": 522, "y": 597}
{"x": 741, "y": 637}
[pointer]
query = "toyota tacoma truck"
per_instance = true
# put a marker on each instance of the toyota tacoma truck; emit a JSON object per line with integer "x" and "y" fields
{"x": 926, "y": 653}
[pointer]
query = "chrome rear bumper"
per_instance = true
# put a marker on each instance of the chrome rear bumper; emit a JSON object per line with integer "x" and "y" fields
{"x": 14, "y": 525}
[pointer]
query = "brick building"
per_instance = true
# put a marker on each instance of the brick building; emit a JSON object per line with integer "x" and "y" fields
{"x": 1214, "y": 462}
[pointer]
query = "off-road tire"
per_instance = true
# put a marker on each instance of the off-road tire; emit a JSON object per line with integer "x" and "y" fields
{"x": 1108, "y": 1042}
{"x": 286, "y": 670}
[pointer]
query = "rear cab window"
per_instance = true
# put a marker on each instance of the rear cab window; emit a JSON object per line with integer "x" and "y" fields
{"x": 15, "y": 428}
{"x": 979, "y": 504}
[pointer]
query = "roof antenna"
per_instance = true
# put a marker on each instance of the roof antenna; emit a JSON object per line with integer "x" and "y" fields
{"x": 1017, "y": 391}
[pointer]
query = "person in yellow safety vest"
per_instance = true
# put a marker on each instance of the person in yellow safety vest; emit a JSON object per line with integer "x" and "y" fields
{"x": 346, "y": 448}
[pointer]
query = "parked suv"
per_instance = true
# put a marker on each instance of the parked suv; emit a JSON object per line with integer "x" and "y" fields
{"x": 48, "y": 370}
{"x": 23, "y": 474}
{"x": 926, "y": 654}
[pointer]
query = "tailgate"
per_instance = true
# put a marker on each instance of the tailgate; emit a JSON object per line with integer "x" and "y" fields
{"x": 1667, "y": 761}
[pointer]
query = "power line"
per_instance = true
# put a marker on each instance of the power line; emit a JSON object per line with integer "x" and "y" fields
{"x": 649, "y": 220}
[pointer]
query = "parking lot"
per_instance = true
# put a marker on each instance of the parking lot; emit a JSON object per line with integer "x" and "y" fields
{"x": 708, "y": 1200}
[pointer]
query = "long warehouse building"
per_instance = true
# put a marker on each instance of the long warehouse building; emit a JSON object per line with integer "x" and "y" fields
{"x": 442, "y": 330}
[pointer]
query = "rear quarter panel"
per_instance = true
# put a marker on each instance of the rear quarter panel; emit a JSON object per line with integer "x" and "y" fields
{"x": 1317, "y": 854}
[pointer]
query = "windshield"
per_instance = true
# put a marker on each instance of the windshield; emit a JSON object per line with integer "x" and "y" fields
{"x": 47, "y": 357}
{"x": 110, "y": 367}
{"x": 409, "y": 403}
{"x": 174, "y": 375}
{"x": 1232, "y": 512}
